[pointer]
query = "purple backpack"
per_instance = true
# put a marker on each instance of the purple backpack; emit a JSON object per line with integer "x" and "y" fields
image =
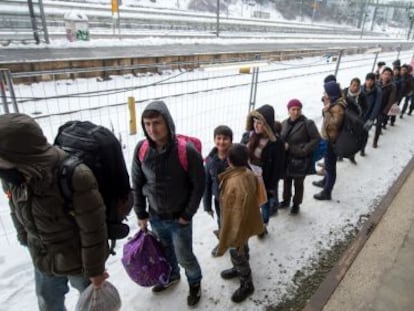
{"x": 144, "y": 260}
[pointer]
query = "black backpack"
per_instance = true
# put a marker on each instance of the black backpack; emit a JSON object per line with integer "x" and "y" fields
{"x": 352, "y": 136}
{"x": 99, "y": 149}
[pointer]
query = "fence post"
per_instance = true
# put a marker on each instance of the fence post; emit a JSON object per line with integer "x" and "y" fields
{"x": 132, "y": 116}
{"x": 6, "y": 84}
{"x": 338, "y": 62}
{"x": 375, "y": 61}
{"x": 253, "y": 85}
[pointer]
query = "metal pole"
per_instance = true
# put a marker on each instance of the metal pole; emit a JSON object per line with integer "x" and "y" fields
{"x": 44, "y": 25}
{"x": 375, "y": 61}
{"x": 253, "y": 86}
{"x": 374, "y": 15}
{"x": 33, "y": 21}
{"x": 314, "y": 10}
{"x": 218, "y": 19}
{"x": 301, "y": 10}
{"x": 3, "y": 91}
{"x": 9, "y": 83}
{"x": 338, "y": 62}
{"x": 363, "y": 26}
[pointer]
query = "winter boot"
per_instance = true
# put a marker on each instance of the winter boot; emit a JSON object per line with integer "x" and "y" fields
{"x": 319, "y": 183}
{"x": 295, "y": 209}
{"x": 194, "y": 295}
{"x": 284, "y": 204}
{"x": 174, "y": 279}
{"x": 322, "y": 196}
{"x": 244, "y": 291}
{"x": 229, "y": 273}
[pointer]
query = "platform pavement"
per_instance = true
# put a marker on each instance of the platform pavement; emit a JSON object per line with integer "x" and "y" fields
{"x": 381, "y": 278}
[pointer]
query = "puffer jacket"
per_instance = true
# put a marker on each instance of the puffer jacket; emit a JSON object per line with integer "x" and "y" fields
{"x": 240, "y": 212}
{"x": 59, "y": 243}
{"x": 171, "y": 191}
{"x": 333, "y": 119}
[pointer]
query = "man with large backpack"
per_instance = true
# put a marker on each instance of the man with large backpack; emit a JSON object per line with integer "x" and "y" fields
{"x": 168, "y": 173}
{"x": 64, "y": 247}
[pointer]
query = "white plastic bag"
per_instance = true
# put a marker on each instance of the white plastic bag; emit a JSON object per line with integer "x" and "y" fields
{"x": 104, "y": 298}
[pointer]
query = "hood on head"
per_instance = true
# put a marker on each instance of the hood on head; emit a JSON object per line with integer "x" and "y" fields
{"x": 162, "y": 108}
{"x": 266, "y": 114}
{"x": 23, "y": 145}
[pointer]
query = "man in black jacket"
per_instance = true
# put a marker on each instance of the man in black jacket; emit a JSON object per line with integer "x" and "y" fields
{"x": 173, "y": 193}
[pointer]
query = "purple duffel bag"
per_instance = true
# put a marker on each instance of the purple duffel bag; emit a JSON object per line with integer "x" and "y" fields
{"x": 144, "y": 260}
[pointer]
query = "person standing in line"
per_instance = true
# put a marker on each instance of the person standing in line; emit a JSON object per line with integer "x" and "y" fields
{"x": 387, "y": 100}
{"x": 65, "y": 247}
{"x": 215, "y": 164}
{"x": 406, "y": 88}
{"x": 333, "y": 116}
{"x": 173, "y": 194}
{"x": 356, "y": 102}
{"x": 374, "y": 96}
{"x": 301, "y": 138}
{"x": 240, "y": 219}
{"x": 265, "y": 151}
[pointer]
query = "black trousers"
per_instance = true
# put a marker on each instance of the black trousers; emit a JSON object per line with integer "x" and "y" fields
{"x": 287, "y": 189}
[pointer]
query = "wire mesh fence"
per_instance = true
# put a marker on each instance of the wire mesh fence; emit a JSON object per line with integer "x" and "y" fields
{"x": 199, "y": 98}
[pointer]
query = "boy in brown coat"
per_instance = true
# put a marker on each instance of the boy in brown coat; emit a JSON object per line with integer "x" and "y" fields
{"x": 240, "y": 218}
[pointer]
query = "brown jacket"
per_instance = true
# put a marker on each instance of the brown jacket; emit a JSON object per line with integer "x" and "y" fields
{"x": 59, "y": 243}
{"x": 240, "y": 213}
{"x": 333, "y": 119}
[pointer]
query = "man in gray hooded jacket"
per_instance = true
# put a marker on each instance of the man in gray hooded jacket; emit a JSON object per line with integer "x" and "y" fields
{"x": 173, "y": 194}
{"x": 64, "y": 247}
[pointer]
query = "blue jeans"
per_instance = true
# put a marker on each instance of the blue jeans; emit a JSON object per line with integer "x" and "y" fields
{"x": 51, "y": 289}
{"x": 266, "y": 211}
{"x": 177, "y": 240}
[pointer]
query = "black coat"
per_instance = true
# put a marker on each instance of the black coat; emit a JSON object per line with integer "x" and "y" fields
{"x": 303, "y": 138}
{"x": 272, "y": 159}
{"x": 374, "y": 100}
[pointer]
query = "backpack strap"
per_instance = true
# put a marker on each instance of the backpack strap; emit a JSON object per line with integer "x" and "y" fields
{"x": 66, "y": 169}
{"x": 182, "y": 152}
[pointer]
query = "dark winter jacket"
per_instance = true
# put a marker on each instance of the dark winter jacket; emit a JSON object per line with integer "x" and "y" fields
{"x": 303, "y": 138}
{"x": 356, "y": 103}
{"x": 406, "y": 85}
{"x": 59, "y": 243}
{"x": 213, "y": 167}
{"x": 171, "y": 191}
{"x": 388, "y": 96}
{"x": 398, "y": 82}
{"x": 374, "y": 99}
{"x": 273, "y": 154}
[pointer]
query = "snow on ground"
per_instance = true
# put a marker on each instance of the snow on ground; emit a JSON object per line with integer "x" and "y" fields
{"x": 293, "y": 241}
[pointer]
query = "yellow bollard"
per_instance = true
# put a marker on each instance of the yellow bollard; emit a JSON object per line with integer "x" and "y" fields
{"x": 244, "y": 70}
{"x": 132, "y": 116}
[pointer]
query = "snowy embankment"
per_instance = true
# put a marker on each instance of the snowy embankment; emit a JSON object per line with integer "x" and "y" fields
{"x": 293, "y": 241}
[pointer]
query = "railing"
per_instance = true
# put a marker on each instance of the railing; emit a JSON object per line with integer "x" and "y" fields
{"x": 199, "y": 97}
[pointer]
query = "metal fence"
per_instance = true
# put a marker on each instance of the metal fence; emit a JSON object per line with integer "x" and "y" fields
{"x": 199, "y": 97}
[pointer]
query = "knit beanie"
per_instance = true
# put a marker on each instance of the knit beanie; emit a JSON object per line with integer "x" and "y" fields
{"x": 333, "y": 90}
{"x": 294, "y": 103}
{"x": 329, "y": 78}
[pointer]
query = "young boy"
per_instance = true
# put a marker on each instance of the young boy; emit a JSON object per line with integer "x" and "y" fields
{"x": 216, "y": 163}
{"x": 240, "y": 218}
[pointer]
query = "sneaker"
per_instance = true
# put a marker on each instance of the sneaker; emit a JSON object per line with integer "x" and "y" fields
{"x": 295, "y": 209}
{"x": 174, "y": 279}
{"x": 284, "y": 204}
{"x": 244, "y": 291}
{"x": 319, "y": 183}
{"x": 322, "y": 196}
{"x": 194, "y": 295}
{"x": 229, "y": 273}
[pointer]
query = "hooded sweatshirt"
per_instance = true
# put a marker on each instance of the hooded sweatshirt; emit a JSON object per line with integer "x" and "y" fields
{"x": 171, "y": 191}
{"x": 59, "y": 243}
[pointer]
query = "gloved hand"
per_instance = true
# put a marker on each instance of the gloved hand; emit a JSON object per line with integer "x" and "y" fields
{"x": 368, "y": 124}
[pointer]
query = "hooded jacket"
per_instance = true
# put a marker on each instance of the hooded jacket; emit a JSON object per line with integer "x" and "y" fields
{"x": 171, "y": 191}
{"x": 59, "y": 243}
{"x": 240, "y": 212}
{"x": 273, "y": 154}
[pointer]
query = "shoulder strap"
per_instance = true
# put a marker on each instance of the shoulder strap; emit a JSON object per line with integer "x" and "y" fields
{"x": 66, "y": 169}
{"x": 143, "y": 150}
{"x": 182, "y": 153}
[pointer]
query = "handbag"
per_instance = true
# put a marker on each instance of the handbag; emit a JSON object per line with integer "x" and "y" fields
{"x": 144, "y": 260}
